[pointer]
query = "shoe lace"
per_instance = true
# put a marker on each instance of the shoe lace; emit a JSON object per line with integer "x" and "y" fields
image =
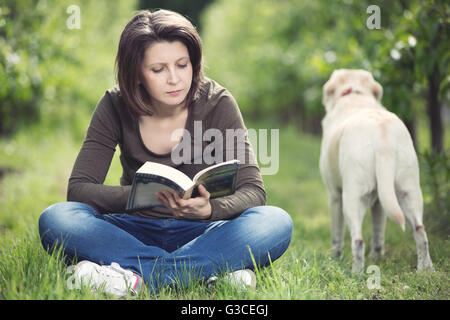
{"x": 114, "y": 276}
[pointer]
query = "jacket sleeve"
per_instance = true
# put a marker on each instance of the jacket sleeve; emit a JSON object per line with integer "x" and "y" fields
{"x": 250, "y": 190}
{"x": 93, "y": 162}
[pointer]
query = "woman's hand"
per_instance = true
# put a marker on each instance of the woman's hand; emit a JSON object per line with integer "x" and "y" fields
{"x": 194, "y": 208}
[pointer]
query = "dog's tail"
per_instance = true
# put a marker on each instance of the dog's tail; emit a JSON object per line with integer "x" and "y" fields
{"x": 385, "y": 174}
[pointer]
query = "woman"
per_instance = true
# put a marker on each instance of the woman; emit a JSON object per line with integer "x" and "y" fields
{"x": 161, "y": 89}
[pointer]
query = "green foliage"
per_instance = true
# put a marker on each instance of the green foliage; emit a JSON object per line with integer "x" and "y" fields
{"x": 416, "y": 46}
{"x": 436, "y": 191}
{"x": 254, "y": 48}
{"x": 267, "y": 52}
{"x": 275, "y": 56}
{"x": 49, "y": 71}
{"x": 20, "y": 79}
{"x": 190, "y": 9}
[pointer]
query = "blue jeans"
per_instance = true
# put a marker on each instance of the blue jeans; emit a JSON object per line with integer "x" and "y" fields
{"x": 167, "y": 251}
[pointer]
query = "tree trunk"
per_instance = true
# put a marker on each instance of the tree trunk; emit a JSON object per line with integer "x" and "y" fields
{"x": 411, "y": 126}
{"x": 434, "y": 113}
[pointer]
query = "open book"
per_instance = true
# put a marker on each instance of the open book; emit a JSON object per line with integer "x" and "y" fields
{"x": 219, "y": 180}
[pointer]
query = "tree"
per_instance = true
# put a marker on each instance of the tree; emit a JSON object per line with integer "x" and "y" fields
{"x": 275, "y": 55}
{"x": 432, "y": 60}
{"x": 47, "y": 67}
{"x": 415, "y": 59}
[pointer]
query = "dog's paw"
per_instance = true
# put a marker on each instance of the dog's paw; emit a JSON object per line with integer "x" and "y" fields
{"x": 376, "y": 253}
{"x": 426, "y": 266}
{"x": 337, "y": 254}
{"x": 358, "y": 268}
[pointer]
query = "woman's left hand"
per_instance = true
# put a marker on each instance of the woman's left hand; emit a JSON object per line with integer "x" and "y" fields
{"x": 194, "y": 208}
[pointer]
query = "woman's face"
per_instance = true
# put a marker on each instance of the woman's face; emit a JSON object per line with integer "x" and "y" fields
{"x": 167, "y": 73}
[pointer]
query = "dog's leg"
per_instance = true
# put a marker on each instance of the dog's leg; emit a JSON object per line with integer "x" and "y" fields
{"x": 354, "y": 210}
{"x": 337, "y": 223}
{"x": 411, "y": 202}
{"x": 378, "y": 230}
{"x": 423, "y": 254}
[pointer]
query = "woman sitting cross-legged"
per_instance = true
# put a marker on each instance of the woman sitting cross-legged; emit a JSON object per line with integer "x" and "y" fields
{"x": 161, "y": 89}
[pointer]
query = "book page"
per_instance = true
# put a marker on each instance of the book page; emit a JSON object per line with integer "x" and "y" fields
{"x": 220, "y": 181}
{"x": 167, "y": 172}
{"x": 145, "y": 195}
{"x": 213, "y": 168}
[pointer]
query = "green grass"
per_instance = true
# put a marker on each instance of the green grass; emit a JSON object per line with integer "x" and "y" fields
{"x": 40, "y": 162}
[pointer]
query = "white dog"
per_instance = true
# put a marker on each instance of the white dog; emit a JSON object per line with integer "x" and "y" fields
{"x": 368, "y": 159}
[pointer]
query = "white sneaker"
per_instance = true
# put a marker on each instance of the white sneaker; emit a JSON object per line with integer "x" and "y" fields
{"x": 239, "y": 278}
{"x": 112, "y": 279}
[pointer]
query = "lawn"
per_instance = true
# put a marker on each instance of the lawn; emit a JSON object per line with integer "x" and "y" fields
{"x": 35, "y": 166}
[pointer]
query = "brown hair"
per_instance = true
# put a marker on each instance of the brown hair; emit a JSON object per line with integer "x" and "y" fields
{"x": 141, "y": 31}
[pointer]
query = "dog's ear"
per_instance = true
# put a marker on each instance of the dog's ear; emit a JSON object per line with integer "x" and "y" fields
{"x": 377, "y": 90}
{"x": 328, "y": 92}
